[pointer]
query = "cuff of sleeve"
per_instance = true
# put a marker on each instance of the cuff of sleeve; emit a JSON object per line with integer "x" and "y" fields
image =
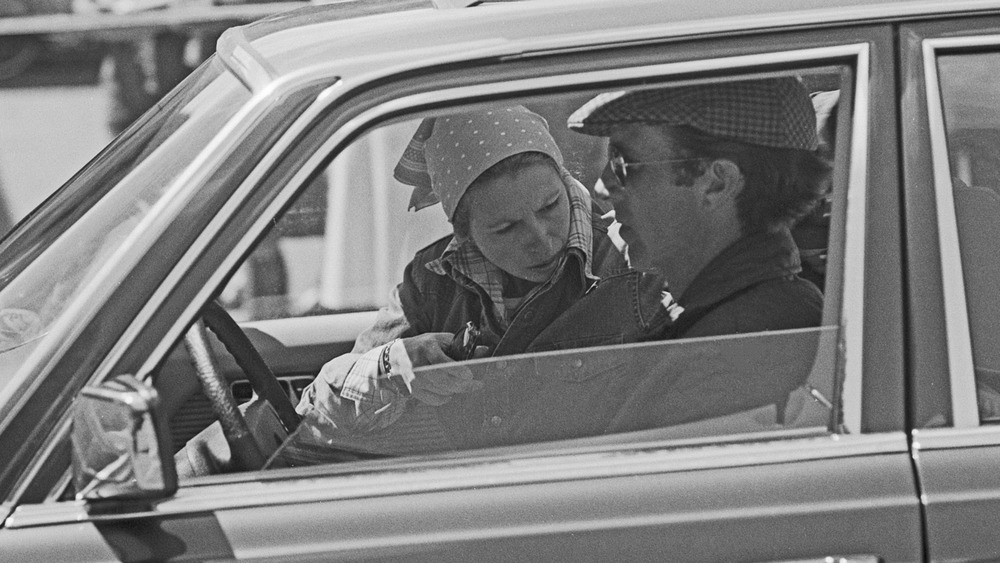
{"x": 400, "y": 363}
{"x": 362, "y": 385}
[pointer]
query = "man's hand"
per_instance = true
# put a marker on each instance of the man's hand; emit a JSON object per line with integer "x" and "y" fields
{"x": 436, "y": 386}
{"x": 428, "y": 349}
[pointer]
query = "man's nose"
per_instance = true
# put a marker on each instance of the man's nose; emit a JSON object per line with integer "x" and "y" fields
{"x": 608, "y": 186}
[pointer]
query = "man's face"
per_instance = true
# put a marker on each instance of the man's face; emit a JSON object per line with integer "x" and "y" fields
{"x": 661, "y": 221}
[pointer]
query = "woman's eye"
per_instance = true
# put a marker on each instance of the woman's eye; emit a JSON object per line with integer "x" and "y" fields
{"x": 504, "y": 228}
{"x": 552, "y": 205}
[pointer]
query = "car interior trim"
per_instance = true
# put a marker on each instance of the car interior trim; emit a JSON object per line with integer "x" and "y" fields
{"x": 965, "y": 412}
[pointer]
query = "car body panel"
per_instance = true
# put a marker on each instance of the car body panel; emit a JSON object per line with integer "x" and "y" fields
{"x": 960, "y": 497}
{"x": 614, "y": 518}
{"x": 511, "y": 509}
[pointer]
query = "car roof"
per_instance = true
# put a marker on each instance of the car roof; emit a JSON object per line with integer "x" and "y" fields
{"x": 344, "y": 38}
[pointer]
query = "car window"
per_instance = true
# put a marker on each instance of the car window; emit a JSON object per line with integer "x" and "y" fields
{"x": 365, "y": 235}
{"x": 969, "y": 89}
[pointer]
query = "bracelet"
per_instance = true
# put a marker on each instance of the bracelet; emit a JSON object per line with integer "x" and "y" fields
{"x": 396, "y": 380}
{"x": 386, "y": 365}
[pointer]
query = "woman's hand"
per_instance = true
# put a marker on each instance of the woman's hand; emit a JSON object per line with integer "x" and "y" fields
{"x": 435, "y": 387}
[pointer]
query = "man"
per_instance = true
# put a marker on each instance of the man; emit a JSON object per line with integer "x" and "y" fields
{"x": 707, "y": 180}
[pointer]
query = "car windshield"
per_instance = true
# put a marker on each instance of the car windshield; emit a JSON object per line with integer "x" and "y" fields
{"x": 55, "y": 263}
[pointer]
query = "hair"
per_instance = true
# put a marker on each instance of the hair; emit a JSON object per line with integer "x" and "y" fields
{"x": 509, "y": 165}
{"x": 781, "y": 184}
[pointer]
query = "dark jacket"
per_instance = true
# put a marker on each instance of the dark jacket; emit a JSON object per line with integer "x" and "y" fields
{"x": 750, "y": 287}
{"x": 437, "y": 303}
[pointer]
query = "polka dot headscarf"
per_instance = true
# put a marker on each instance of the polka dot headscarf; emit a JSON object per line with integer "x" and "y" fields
{"x": 448, "y": 153}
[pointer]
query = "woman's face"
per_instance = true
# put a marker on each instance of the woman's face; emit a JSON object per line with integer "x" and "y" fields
{"x": 520, "y": 221}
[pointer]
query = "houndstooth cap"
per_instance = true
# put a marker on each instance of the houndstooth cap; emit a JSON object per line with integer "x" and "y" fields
{"x": 773, "y": 112}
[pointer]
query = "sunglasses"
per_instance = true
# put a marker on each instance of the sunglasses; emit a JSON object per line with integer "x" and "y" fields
{"x": 620, "y": 168}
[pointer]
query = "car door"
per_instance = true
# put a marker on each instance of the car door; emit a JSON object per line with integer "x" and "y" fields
{"x": 832, "y": 477}
{"x": 952, "y": 179}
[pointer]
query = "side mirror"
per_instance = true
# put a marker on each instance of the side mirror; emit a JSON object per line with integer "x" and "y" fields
{"x": 121, "y": 446}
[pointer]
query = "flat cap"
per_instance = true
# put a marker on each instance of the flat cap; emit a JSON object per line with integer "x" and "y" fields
{"x": 772, "y": 112}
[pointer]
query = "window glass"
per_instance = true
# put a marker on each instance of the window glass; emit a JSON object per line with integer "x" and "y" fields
{"x": 969, "y": 86}
{"x": 658, "y": 390}
{"x": 556, "y": 310}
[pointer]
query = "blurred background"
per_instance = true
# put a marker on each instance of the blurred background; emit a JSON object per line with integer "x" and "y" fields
{"x": 74, "y": 73}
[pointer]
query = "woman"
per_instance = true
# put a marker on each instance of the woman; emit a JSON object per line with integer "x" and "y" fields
{"x": 526, "y": 245}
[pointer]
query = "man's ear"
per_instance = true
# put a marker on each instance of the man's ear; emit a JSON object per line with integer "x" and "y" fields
{"x": 724, "y": 181}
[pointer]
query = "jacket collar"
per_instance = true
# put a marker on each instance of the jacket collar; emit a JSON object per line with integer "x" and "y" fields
{"x": 745, "y": 263}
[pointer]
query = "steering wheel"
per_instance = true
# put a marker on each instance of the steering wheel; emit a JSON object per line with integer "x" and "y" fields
{"x": 246, "y": 453}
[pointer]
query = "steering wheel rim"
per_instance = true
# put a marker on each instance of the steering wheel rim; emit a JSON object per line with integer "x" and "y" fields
{"x": 245, "y": 451}
{"x": 248, "y": 358}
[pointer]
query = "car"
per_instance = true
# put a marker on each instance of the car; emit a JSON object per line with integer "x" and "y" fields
{"x": 258, "y": 198}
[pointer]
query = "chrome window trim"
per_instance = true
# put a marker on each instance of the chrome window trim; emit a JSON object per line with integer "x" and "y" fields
{"x": 964, "y": 405}
{"x": 852, "y": 318}
{"x": 955, "y": 438}
{"x": 320, "y": 484}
